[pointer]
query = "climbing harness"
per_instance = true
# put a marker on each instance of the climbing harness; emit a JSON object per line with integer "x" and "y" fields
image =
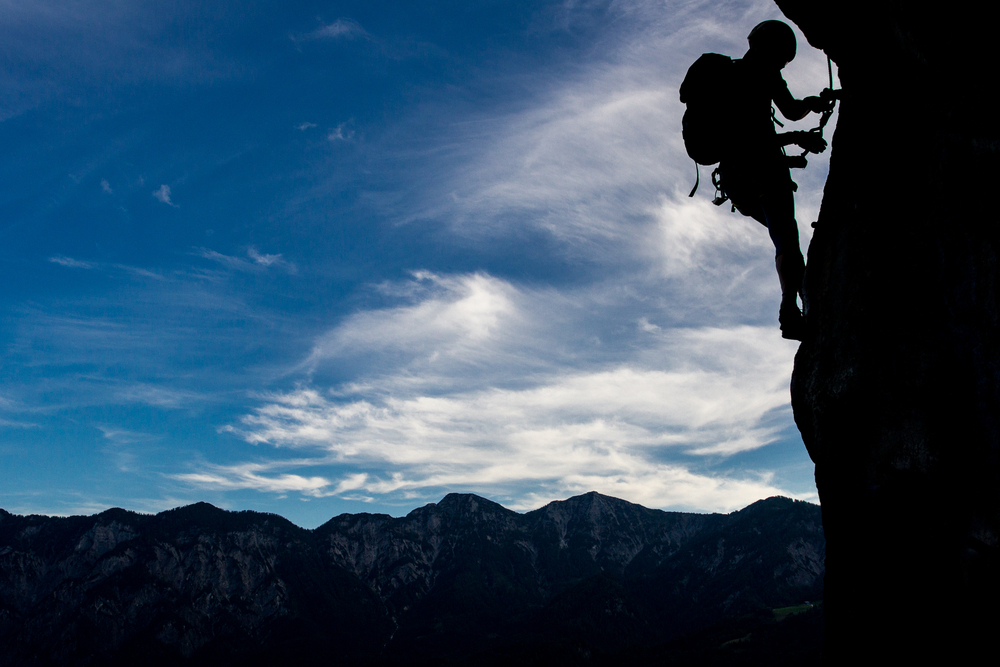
{"x": 830, "y": 95}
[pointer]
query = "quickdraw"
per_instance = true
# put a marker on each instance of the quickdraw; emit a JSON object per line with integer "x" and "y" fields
{"x": 831, "y": 96}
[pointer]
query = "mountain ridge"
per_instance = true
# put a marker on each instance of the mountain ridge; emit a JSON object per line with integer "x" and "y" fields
{"x": 199, "y": 584}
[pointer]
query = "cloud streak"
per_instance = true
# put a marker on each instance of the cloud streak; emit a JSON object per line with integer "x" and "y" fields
{"x": 163, "y": 195}
{"x": 256, "y": 261}
{"x": 597, "y": 158}
{"x": 342, "y": 28}
{"x": 70, "y": 263}
{"x": 525, "y": 430}
{"x": 248, "y": 476}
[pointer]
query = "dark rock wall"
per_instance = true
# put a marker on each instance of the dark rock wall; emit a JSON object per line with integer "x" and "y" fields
{"x": 896, "y": 387}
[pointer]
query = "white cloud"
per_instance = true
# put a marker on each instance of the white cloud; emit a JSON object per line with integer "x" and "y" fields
{"x": 697, "y": 409}
{"x": 139, "y": 272}
{"x": 339, "y": 29}
{"x": 70, "y": 262}
{"x": 135, "y": 271}
{"x": 264, "y": 259}
{"x": 161, "y": 397}
{"x": 247, "y": 476}
{"x": 305, "y": 126}
{"x": 695, "y": 233}
{"x": 256, "y": 260}
{"x": 106, "y": 187}
{"x": 163, "y": 195}
{"x": 581, "y": 166}
{"x": 341, "y": 133}
{"x": 466, "y": 388}
{"x": 457, "y": 316}
{"x": 120, "y": 436}
{"x": 17, "y": 424}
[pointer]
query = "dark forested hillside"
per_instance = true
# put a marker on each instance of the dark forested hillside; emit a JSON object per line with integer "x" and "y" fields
{"x": 575, "y": 582}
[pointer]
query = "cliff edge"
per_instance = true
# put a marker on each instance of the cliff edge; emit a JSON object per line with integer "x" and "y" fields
{"x": 896, "y": 387}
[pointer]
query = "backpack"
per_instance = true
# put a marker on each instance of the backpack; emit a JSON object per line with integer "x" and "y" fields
{"x": 705, "y": 90}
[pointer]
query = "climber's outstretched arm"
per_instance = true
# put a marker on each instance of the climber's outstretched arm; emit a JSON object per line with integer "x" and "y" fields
{"x": 794, "y": 109}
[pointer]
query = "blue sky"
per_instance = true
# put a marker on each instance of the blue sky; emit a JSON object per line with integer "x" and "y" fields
{"x": 326, "y": 257}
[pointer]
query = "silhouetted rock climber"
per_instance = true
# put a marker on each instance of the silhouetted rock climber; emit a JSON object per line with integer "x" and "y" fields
{"x": 730, "y": 115}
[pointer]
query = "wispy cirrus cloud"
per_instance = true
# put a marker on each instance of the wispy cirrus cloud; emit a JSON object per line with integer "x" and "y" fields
{"x": 158, "y": 396}
{"x": 71, "y": 263}
{"x": 342, "y": 28}
{"x": 342, "y": 132}
{"x": 254, "y": 261}
{"x": 135, "y": 271}
{"x": 697, "y": 410}
{"x": 8, "y": 423}
{"x": 265, "y": 260}
{"x": 526, "y": 428}
{"x": 596, "y": 159}
{"x": 162, "y": 195}
{"x": 453, "y": 318}
{"x": 249, "y": 476}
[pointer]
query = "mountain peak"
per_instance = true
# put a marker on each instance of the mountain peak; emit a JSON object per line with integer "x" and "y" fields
{"x": 461, "y": 505}
{"x": 592, "y": 504}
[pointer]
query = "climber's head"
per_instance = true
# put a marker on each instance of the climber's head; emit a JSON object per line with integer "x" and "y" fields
{"x": 772, "y": 42}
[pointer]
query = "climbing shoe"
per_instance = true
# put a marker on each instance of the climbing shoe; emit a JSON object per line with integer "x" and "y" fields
{"x": 790, "y": 320}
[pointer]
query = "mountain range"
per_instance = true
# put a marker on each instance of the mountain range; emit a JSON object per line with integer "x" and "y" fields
{"x": 462, "y": 581}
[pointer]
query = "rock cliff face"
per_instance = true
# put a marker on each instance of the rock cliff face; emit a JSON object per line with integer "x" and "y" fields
{"x": 451, "y": 581}
{"x": 896, "y": 387}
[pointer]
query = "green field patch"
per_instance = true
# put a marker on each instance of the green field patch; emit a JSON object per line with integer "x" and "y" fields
{"x": 781, "y": 613}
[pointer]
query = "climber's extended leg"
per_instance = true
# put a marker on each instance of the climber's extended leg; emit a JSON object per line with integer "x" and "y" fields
{"x": 779, "y": 211}
{"x": 790, "y": 266}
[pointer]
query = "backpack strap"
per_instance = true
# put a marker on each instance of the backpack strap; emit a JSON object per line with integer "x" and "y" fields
{"x": 697, "y": 179}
